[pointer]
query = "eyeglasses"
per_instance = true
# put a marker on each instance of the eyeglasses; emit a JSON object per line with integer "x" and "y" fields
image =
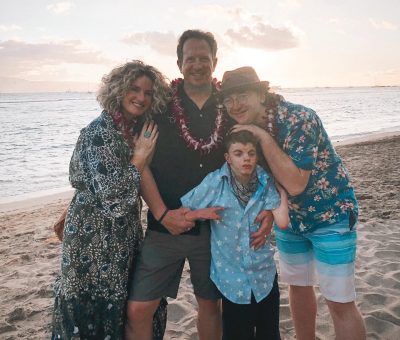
{"x": 240, "y": 99}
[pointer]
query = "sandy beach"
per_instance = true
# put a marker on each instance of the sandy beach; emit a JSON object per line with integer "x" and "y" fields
{"x": 29, "y": 256}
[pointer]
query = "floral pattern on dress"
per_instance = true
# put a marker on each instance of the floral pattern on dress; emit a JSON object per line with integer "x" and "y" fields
{"x": 328, "y": 197}
{"x": 102, "y": 237}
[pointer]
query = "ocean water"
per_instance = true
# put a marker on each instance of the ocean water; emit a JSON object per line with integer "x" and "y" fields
{"x": 351, "y": 112}
{"x": 38, "y": 131}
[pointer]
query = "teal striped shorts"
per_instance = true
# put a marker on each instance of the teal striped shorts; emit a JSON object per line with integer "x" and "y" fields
{"x": 324, "y": 257}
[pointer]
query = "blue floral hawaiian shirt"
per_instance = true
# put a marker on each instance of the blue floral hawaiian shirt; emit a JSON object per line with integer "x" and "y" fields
{"x": 236, "y": 268}
{"x": 328, "y": 197}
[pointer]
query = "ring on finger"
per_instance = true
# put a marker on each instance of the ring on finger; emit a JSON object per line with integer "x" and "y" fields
{"x": 147, "y": 134}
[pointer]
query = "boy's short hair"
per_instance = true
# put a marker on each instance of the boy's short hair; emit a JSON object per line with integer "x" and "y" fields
{"x": 243, "y": 137}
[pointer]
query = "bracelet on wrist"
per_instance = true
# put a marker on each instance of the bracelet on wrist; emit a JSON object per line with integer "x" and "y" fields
{"x": 163, "y": 215}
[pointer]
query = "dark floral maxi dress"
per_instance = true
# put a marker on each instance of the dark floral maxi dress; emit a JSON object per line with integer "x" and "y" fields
{"x": 102, "y": 236}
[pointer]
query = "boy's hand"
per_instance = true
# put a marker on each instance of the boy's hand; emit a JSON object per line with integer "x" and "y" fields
{"x": 204, "y": 214}
{"x": 258, "y": 238}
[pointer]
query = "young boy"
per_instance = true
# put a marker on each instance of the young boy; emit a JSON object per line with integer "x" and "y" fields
{"x": 246, "y": 277}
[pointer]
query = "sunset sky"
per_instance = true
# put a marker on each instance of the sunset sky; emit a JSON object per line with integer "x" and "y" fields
{"x": 291, "y": 43}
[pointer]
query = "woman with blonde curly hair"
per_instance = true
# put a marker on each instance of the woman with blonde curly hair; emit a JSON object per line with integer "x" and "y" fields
{"x": 102, "y": 231}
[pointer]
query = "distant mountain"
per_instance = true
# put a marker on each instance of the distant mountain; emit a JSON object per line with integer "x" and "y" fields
{"x": 8, "y": 85}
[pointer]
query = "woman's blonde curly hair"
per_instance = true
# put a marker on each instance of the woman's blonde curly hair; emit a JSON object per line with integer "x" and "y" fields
{"x": 118, "y": 82}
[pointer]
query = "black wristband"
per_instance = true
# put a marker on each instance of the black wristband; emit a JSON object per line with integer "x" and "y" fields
{"x": 163, "y": 215}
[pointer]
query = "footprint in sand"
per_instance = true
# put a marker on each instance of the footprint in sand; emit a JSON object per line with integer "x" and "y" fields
{"x": 387, "y": 255}
{"x": 396, "y": 276}
{"x": 45, "y": 292}
{"x": 22, "y": 296}
{"x": 17, "y": 314}
{"x": 25, "y": 257}
{"x": 375, "y": 299}
{"x": 7, "y": 328}
{"x": 51, "y": 255}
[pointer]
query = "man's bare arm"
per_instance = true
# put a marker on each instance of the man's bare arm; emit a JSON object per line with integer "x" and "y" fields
{"x": 174, "y": 220}
{"x": 293, "y": 179}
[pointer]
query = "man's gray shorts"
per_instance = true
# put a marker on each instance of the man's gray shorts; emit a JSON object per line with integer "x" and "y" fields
{"x": 158, "y": 268}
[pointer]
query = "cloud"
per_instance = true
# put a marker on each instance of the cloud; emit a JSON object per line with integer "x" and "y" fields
{"x": 213, "y": 11}
{"x": 8, "y": 28}
{"x": 335, "y": 21}
{"x": 222, "y": 13}
{"x": 290, "y": 4}
{"x": 19, "y": 57}
{"x": 251, "y": 32}
{"x": 263, "y": 36}
{"x": 383, "y": 24}
{"x": 250, "y": 29}
{"x": 391, "y": 72}
{"x": 338, "y": 24}
{"x": 163, "y": 43}
{"x": 71, "y": 51}
{"x": 61, "y": 7}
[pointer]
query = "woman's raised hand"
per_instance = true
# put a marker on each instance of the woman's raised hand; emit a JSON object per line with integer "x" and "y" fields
{"x": 145, "y": 144}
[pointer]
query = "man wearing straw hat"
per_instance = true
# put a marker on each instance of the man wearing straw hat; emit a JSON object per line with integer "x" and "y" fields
{"x": 320, "y": 244}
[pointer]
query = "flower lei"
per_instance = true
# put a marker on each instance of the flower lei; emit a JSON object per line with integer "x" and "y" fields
{"x": 270, "y": 126}
{"x": 124, "y": 126}
{"x": 271, "y": 109}
{"x": 178, "y": 115}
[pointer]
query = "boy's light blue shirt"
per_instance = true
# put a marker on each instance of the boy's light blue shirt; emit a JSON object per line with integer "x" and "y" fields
{"x": 236, "y": 268}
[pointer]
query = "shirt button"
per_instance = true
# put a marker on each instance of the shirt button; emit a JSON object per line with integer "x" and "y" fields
{"x": 201, "y": 165}
{"x": 201, "y": 116}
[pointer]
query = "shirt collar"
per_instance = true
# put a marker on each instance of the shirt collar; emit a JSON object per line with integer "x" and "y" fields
{"x": 211, "y": 101}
